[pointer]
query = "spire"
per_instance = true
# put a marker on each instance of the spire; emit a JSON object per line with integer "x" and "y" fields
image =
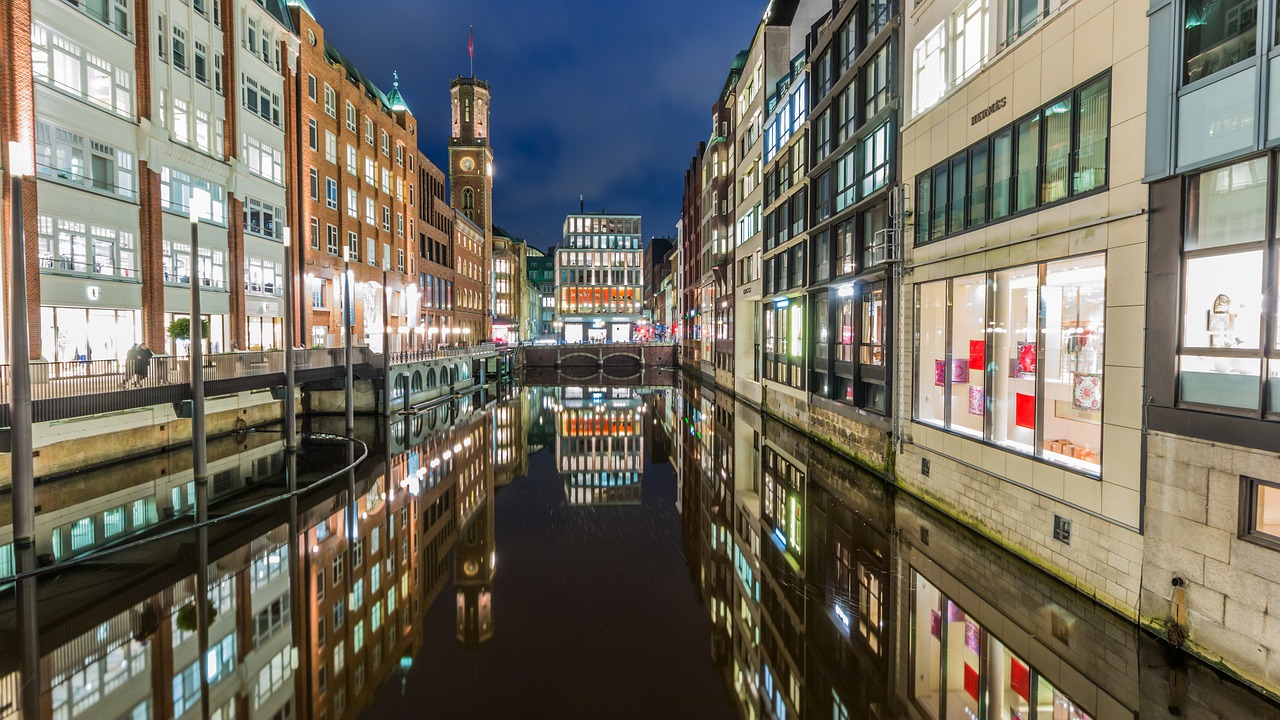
{"x": 394, "y": 98}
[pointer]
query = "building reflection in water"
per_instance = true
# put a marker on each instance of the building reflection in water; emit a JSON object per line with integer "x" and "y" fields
{"x": 830, "y": 596}
{"x": 600, "y": 448}
{"x": 827, "y": 595}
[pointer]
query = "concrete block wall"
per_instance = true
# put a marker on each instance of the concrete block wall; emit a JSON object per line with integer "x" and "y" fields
{"x": 1232, "y": 585}
{"x": 1103, "y": 560}
{"x": 72, "y": 445}
{"x": 1078, "y": 645}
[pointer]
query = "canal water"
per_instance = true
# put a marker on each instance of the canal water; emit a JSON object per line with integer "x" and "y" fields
{"x": 569, "y": 551}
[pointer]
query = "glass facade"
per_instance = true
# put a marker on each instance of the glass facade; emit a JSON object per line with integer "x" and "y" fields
{"x": 1226, "y": 360}
{"x": 1015, "y": 358}
{"x": 1058, "y": 152}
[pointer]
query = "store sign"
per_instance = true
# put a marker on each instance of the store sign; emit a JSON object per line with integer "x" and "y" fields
{"x": 265, "y": 309}
{"x": 94, "y": 292}
{"x": 988, "y": 111}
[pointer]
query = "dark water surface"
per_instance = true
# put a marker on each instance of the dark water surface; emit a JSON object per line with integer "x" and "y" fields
{"x": 560, "y": 552}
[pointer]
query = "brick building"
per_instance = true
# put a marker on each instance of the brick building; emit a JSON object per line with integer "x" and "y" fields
{"x": 355, "y": 160}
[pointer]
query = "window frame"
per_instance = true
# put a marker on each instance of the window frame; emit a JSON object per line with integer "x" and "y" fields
{"x": 926, "y": 223}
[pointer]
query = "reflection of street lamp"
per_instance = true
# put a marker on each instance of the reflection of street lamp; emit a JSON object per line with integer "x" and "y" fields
{"x": 21, "y": 166}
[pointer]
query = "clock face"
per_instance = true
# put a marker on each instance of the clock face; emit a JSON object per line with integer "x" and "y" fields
{"x": 467, "y": 164}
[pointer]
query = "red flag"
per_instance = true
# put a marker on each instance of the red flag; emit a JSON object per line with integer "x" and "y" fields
{"x": 471, "y": 44}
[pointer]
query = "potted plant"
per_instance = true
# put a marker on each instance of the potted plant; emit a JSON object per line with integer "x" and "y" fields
{"x": 180, "y": 329}
{"x": 187, "y": 620}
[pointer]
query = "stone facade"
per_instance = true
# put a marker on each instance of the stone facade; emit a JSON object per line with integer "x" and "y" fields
{"x": 1231, "y": 600}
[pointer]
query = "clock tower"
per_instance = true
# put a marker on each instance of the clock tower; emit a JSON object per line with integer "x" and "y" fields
{"x": 471, "y": 166}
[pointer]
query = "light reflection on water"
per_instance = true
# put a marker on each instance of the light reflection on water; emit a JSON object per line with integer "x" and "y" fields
{"x": 569, "y": 551}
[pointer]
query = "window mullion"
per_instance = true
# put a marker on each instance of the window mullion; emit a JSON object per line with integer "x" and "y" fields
{"x": 1038, "y": 448}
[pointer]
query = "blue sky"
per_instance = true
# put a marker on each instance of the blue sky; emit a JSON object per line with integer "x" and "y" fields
{"x": 595, "y": 97}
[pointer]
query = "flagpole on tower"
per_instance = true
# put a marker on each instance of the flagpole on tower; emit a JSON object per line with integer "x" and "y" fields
{"x": 471, "y": 50}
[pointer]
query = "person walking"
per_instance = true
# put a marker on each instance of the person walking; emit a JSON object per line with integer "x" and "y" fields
{"x": 142, "y": 364}
{"x": 131, "y": 365}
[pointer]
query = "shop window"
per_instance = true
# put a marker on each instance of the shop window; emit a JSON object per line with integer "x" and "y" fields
{"x": 1260, "y": 520}
{"x": 1225, "y": 261}
{"x": 1217, "y": 35}
{"x": 1015, "y": 358}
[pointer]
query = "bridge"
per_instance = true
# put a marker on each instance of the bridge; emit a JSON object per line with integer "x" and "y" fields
{"x": 65, "y": 390}
{"x": 612, "y": 358}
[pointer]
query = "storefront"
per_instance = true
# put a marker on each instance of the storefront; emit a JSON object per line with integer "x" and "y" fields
{"x": 81, "y": 333}
{"x": 265, "y": 327}
{"x": 1014, "y": 357}
{"x": 215, "y": 343}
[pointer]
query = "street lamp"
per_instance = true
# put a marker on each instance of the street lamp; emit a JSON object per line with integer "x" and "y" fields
{"x": 21, "y": 166}
{"x": 290, "y": 418}
{"x": 197, "y": 207}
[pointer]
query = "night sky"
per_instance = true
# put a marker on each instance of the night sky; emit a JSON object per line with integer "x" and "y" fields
{"x": 605, "y": 99}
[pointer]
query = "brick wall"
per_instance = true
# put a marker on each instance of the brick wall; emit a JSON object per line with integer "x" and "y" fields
{"x": 151, "y": 258}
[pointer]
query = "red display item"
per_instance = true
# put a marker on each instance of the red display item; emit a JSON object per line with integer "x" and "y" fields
{"x": 977, "y": 354}
{"x": 971, "y": 681}
{"x": 1020, "y": 679}
{"x": 1025, "y": 411}
{"x": 1026, "y": 358}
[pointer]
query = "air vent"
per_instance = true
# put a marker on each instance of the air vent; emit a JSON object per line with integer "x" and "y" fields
{"x": 1062, "y": 529}
{"x": 924, "y": 467}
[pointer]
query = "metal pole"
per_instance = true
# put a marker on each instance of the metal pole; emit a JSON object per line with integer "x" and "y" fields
{"x": 24, "y": 513}
{"x": 348, "y": 317}
{"x": 199, "y": 450}
{"x": 28, "y": 633}
{"x": 290, "y": 408}
{"x": 386, "y": 347}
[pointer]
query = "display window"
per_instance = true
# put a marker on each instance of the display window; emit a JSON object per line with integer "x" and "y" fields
{"x": 1015, "y": 358}
{"x": 1227, "y": 361}
{"x": 84, "y": 334}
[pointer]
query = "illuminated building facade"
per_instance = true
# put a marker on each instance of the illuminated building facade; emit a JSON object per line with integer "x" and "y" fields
{"x": 355, "y": 184}
{"x": 600, "y": 445}
{"x": 600, "y": 282}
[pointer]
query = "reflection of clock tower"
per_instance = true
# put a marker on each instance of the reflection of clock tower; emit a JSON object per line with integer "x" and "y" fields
{"x": 471, "y": 163}
{"x": 474, "y": 558}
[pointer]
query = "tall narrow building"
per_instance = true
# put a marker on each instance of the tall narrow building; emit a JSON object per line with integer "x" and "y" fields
{"x": 471, "y": 172}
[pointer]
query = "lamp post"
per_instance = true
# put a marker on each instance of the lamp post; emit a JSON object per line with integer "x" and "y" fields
{"x": 290, "y": 414}
{"x": 21, "y": 166}
{"x": 199, "y": 205}
{"x": 348, "y": 318}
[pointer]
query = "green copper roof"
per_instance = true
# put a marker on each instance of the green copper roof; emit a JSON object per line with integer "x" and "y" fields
{"x": 393, "y": 98}
{"x": 301, "y": 4}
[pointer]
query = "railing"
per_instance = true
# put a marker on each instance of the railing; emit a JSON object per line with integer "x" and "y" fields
{"x": 400, "y": 358}
{"x": 63, "y": 390}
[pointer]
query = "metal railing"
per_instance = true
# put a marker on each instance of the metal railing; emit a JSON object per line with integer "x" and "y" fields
{"x": 400, "y": 358}
{"x": 63, "y": 390}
